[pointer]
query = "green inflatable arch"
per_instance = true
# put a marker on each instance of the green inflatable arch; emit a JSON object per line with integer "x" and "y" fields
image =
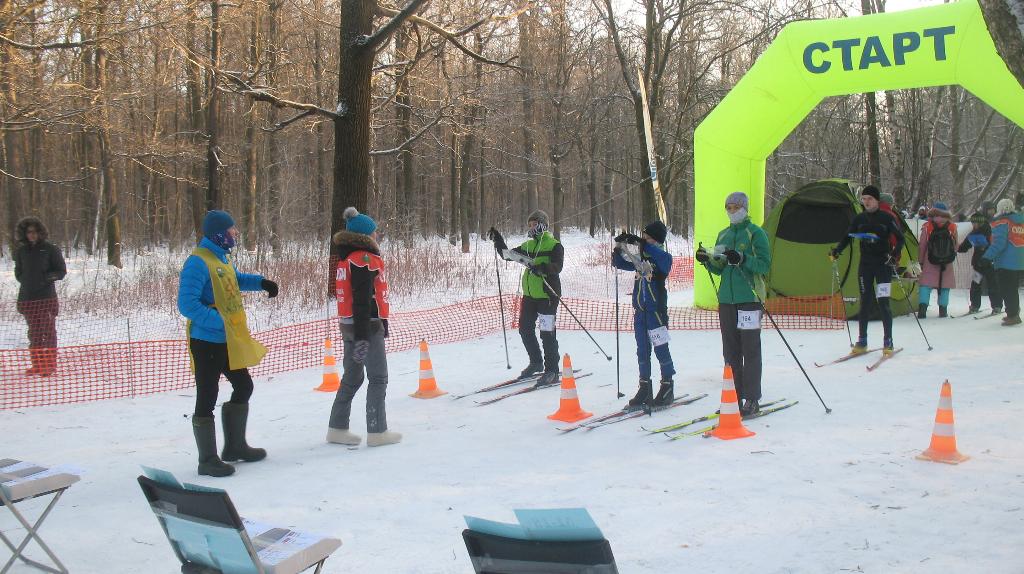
{"x": 815, "y": 59}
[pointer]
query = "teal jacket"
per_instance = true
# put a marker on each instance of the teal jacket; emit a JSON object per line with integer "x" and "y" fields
{"x": 752, "y": 242}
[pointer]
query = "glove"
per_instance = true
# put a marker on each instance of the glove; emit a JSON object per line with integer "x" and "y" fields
{"x": 538, "y": 269}
{"x": 833, "y": 254}
{"x": 360, "y": 350}
{"x": 983, "y": 264}
{"x": 617, "y": 251}
{"x": 629, "y": 238}
{"x": 384, "y": 322}
{"x": 495, "y": 236}
{"x": 733, "y": 257}
{"x": 702, "y": 256}
{"x": 893, "y": 260}
{"x": 51, "y": 277}
{"x": 270, "y": 287}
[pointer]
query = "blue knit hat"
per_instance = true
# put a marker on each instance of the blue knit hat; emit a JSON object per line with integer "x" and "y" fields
{"x": 215, "y": 222}
{"x": 359, "y": 222}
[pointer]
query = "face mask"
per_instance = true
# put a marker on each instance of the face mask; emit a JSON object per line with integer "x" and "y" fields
{"x": 224, "y": 240}
{"x": 738, "y": 215}
{"x": 537, "y": 230}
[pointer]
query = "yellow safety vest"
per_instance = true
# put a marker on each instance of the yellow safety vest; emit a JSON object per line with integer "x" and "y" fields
{"x": 243, "y": 350}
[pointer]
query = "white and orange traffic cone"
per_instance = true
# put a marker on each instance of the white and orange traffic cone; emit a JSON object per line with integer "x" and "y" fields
{"x": 331, "y": 381}
{"x": 428, "y": 386}
{"x": 727, "y": 372}
{"x": 569, "y": 409}
{"x": 943, "y": 445}
{"x": 730, "y": 422}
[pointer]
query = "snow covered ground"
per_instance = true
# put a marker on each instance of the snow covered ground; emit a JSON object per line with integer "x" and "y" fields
{"x": 811, "y": 493}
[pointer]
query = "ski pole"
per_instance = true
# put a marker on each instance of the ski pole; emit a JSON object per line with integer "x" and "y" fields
{"x": 836, "y": 286}
{"x": 501, "y": 308}
{"x": 779, "y": 331}
{"x": 573, "y": 315}
{"x": 910, "y": 306}
{"x": 618, "y": 378}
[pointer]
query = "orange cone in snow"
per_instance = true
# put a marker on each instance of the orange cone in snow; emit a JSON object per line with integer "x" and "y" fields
{"x": 943, "y": 446}
{"x": 428, "y": 386}
{"x": 727, "y": 373}
{"x": 569, "y": 409}
{"x": 730, "y": 423}
{"x": 330, "y": 382}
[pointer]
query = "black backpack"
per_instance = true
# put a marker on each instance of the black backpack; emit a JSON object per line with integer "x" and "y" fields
{"x": 941, "y": 247}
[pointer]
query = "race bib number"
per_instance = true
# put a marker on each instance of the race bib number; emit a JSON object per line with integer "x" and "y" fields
{"x": 547, "y": 323}
{"x": 976, "y": 277}
{"x": 748, "y": 320}
{"x": 658, "y": 336}
{"x": 883, "y": 290}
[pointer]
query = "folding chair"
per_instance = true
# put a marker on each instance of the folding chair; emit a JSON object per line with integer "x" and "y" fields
{"x": 209, "y": 537}
{"x": 493, "y": 554}
{"x": 20, "y": 481}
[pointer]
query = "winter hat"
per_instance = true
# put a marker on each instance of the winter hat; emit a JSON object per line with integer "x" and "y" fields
{"x": 539, "y": 216}
{"x": 887, "y": 198}
{"x": 216, "y": 222}
{"x": 872, "y": 191}
{"x": 738, "y": 198}
{"x": 978, "y": 219}
{"x": 1005, "y": 205}
{"x": 939, "y": 209}
{"x": 358, "y": 222}
{"x": 657, "y": 230}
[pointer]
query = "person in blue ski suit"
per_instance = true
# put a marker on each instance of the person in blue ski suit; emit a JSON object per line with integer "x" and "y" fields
{"x": 650, "y": 310}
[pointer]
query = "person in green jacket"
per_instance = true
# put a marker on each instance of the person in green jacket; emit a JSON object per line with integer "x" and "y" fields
{"x": 742, "y": 258}
{"x": 542, "y": 255}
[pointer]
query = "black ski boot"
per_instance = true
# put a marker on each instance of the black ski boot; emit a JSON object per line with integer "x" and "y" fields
{"x": 749, "y": 407}
{"x": 233, "y": 417}
{"x": 532, "y": 369}
{"x": 206, "y": 440}
{"x": 548, "y": 378}
{"x": 922, "y": 311}
{"x": 665, "y": 395}
{"x": 942, "y": 311}
{"x": 643, "y": 394}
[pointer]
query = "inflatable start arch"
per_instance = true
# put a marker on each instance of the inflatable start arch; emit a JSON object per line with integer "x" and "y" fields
{"x": 815, "y": 59}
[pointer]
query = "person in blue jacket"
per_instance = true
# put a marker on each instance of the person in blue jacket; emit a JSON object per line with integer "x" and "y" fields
{"x": 211, "y": 344}
{"x": 982, "y": 273}
{"x": 1006, "y": 255}
{"x": 650, "y": 309}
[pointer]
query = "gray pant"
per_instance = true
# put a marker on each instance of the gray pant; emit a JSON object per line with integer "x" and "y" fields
{"x": 742, "y": 350}
{"x": 375, "y": 369}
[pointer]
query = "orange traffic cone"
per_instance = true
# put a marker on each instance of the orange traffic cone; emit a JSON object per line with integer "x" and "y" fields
{"x": 730, "y": 423}
{"x": 428, "y": 386}
{"x": 569, "y": 409}
{"x": 330, "y": 382}
{"x": 943, "y": 446}
{"x": 727, "y": 372}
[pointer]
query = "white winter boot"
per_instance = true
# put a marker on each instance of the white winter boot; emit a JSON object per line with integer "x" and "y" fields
{"x": 343, "y": 436}
{"x": 383, "y": 438}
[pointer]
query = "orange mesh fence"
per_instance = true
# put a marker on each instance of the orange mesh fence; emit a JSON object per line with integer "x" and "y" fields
{"x": 80, "y": 373}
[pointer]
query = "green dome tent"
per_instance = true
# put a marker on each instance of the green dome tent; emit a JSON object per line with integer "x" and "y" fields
{"x": 804, "y": 226}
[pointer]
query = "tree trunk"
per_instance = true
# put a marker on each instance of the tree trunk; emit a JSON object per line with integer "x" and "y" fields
{"x": 250, "y": 196}
{"x": 529, "y": 122}
{"x": 213, "y": 199}
{"x": 274, "y": 157}
{"x": 404, "y": 180}
{"x": 193, "y": 85}
{"x": 871, "y": 125}
{"x": 1005, "y": 20}
{"x": 112, "y": 221}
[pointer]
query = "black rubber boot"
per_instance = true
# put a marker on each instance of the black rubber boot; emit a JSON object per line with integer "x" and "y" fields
{"x": 234, "y": 416}
{"x": 531, "y": 369}
{"x": 206, "y": 441}
{"x": 665, "y": 395}
{"x": 643, "y": 394}
{"x": 942, "y": 311}
{"x": 922, "y": 311}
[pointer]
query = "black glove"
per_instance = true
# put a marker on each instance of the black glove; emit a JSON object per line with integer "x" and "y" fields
{"x": 360, "y": 350}
{"x": 495, "y": 236}
{"x": 617, "y": 251}
{"x": 733, "y": 257}
{"x": 629, "y": 238}
{"x": 270, "y": 287}
{"x": 702, "y": 256}
{"x": 983, "y": 264}
{"x": 384, "y": 322}
{"x": 51, "y": 277}
{"x": 833, "y": 254}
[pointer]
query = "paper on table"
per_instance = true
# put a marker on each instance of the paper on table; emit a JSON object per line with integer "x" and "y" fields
{"x": 496, "y": 528}
{"x": 559, "y": 524}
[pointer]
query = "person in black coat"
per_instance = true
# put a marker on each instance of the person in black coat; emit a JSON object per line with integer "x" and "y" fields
{"x": 38, "y": 264}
